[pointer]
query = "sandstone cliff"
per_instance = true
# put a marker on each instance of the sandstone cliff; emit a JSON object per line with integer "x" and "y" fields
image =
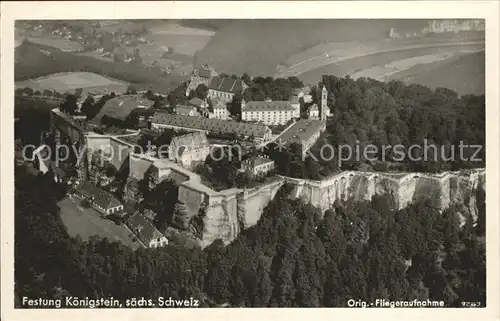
{"x": 222, "y": 215}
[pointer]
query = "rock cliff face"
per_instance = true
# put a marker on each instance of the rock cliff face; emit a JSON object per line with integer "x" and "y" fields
{"x": 227, "y": 215}
{"x": 443, "y": 188}
{"x": 222, "y": 215}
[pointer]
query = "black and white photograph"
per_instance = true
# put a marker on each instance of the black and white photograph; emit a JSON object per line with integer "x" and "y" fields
{"x": 250, "y": 163}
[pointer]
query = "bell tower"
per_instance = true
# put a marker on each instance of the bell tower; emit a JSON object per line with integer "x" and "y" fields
{"x": 323, "y": 111}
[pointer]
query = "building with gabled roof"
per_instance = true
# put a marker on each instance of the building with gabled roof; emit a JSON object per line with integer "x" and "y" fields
{"x": 269, "y": 112}
{"x": 189, "y": 149}
{"x": 200, "y": 76}
{"x": 198, "y": 103}
{"x": 219, "y": 110}
{"x": 224, "y": 88}
{"x": 121, "y": 107}
{"x": 303, "y": 132}
{"x": 258, "y": 165}
{"x": 260, "y": 133}
{"x": 102, "y": 201}
{"x": 186, "y": 110}
{"x": 145, "y": 231}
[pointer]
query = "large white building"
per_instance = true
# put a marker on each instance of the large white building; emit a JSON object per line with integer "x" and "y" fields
{"x": 269, "y": 112}
{"x": 281, "y": 112}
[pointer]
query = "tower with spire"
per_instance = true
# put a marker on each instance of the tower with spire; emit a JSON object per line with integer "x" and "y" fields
{"x": 323, "y": 111}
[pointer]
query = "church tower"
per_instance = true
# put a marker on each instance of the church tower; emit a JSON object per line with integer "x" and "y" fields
{"x": 323, "y": 111}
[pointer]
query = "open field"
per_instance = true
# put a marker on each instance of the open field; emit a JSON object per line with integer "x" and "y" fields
{"x": 70, "y": 81}
{"x": 182, "y": 44}
{"x": 177, "y": 29}
{"x": 349, "y": 65}
{"x": 367, "y": 55}
{"x": 384, "y": 72}
{"x": 86, "y": 222}
{"x": 465, "y": 74}
{"x": 258, "y": 46}
{"x": 56, "y": 42}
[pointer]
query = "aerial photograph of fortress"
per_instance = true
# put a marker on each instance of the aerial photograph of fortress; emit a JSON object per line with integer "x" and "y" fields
{"x": 250, "y": 163}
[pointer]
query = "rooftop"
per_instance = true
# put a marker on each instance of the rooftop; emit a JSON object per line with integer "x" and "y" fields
{"x": 226, "y": 84}
{"x": 185, "y": 110}
{"x": 143, "y": 228}
{"x": 301, "y": 131}
{"x": 120, "y": 107}
{"x": 197, "y": 102}
{"x": 101, "y": 197}
{"x": 190, "y": 141}
{"x": 212, "y": 125}
{"x": 206, "y": 71}
{"x": 259, "y": 160}
{"x": 218, "y": 104}
{"x": 267, "y": 106}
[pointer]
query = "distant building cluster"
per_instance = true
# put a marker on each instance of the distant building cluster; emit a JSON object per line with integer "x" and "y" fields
{"x": 442, "y": 26}
{"x": 447, "y": 25}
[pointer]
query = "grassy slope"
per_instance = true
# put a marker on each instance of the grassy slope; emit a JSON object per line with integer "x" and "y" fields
{"x": 257, "y": 46}
{"x": 464, "y": 75}
{"x": 346, "y": 67}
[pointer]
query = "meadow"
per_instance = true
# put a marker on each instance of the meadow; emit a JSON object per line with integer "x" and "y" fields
{"x": 184, "y": 40}
{"x": 465, "y": 75}
{"x": 350, "y": 66}
{"x": 56, "y": 42}
{"x": 70, "y": 81}
{"x": 258, "y": 46}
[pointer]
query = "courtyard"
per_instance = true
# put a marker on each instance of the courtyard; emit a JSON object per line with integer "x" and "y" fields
{"x": 87, "y": 222}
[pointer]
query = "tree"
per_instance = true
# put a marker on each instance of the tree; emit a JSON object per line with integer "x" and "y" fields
{"x": 37, "y": 93}
{"x": 48, "y": 93}
{"x": 235, "y": 106}
{"x": 246, "y": 79}
{"x": 88, "y": 107}
{"x": 201, "y": 91}
{"x": 69, "y": 105}
{"x": 28, "y": 91}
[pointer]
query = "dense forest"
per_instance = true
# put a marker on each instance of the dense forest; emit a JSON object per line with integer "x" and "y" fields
{"x": 369, "y": 112}
{"x": 293, "y": 257}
